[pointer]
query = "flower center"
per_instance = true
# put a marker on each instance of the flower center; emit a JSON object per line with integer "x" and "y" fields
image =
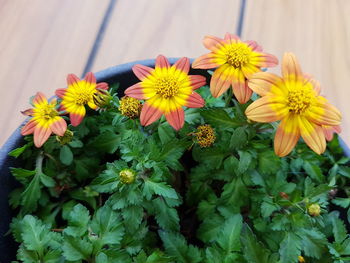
{"x": 237, "y": 55}
{"x": 167, "y": 86}
{"x": 46, "y": 112}
{"x": 299, "y": 100}
{"x": 82, "y": 97}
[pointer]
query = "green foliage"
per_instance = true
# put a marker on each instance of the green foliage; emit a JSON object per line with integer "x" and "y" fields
{"x": 235, "y": 201}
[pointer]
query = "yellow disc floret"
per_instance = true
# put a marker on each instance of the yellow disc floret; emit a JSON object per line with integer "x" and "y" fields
{"x": 237, "y": 55}
{"x": 130, "y": 107}
{"x": 167, "y": 86}
{"x": 300, "y": 99}
{"x": 127, "y": 176}
{"x": 205, "y": 135}
{"x": 45, "y": 114}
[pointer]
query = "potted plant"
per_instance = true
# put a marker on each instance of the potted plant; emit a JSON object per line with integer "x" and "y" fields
{"x": 157, "y": 162}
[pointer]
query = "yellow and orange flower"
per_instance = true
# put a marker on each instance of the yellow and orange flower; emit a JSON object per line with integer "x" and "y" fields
{"x": 45, "y": 120}
{"x": 236, "y": 61}
{"x": 294, "y": 100}
{"x": 78, "y": 94}
{"x": 330, "y": 130}
{"x": 166, "y": 90}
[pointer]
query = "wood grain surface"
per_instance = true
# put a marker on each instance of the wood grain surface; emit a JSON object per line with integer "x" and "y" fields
{"x": 142, "y": 29}
{"x": 318, "y": 32}
{"x": 41, "y": 42}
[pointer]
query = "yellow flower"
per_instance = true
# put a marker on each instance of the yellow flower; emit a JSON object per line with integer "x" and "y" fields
{"x": 130, "y": 107}
{"x": 236, "y": 61}
{"x": 166, "y": 90}
{"x": 314, "y": 210}
{"x": 78, "y": 94}
{"x": 205, "y": 135}
{"x": 295, "y": 101}
{"x": 45, "y": 120}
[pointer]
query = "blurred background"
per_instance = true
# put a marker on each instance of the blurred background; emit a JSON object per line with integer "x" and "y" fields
{"x": 44, "y": 40}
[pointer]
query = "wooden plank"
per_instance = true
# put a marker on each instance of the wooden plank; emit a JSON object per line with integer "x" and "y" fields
{"x": 41, "y": 42}
{"x": 318, "y": 32}
{"x": 142, "y": 29}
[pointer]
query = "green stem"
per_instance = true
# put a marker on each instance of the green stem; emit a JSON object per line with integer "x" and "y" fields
{"x": 39, "y": 162}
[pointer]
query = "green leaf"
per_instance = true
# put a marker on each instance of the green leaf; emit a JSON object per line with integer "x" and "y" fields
{"x": 219, "y": 118}
{"x": 228, "y": 239}
{"x": 133, "y": 215}
{"x": 290, "y": 248}
{"x": 31, "y": 194}
{"x": 76, "y": 144}
{"x": 166, "y": 133}
{"x": 269, "y": 162}
{"x": 108, "y": 226}
{"x": 46, "y": 180}
{"x": 76, "y": 248}
{"x": 313, "y": 242}
{"x": 343, "y": 202}
{"x": 314, "y": 171}
{"x": 161, "y": 188}
{"x": 18, "y": 151}
{"x": 176, "y": 246}
{"x": 244, "y": 162}
{"x": 106, "y": 142}
{"x": 210, "y": 228}
{"x": 66, "y": 155}
{"x": 78, "y": 220}
{"x": 253, "y": 251}
{"x": 52, "y": 256}
{"x": 339, "y": 230}
{"x": 238, "y": 139}
{"x": 167, "y": 217}
{"x": 20, "y": 173}
{"x": 268, "y": 207}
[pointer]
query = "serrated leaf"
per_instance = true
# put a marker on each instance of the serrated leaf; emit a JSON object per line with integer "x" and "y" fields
{"x": 46, "y": 180}
{"x": 133, "y": 215}
{"x": 20, "y": 173}
{"x": 78, "y": 220}
{"x": 269, "y": 162}
{"x": 176, "y": 246}
{"x": 18, "y": 151}
{"x": 167, "y": 217}
{"x": 244, "y": 162}
{"x": 313, "y": 242}
{"x": 343, "y": 202}
{"x": 210, "y": 228}
{"x": 166, "y": 133}
{"x": 253, "y": 251}
{"x": 228, "y": 239}
{"x": 313, "y": 171}
{"x": 66, "y": 155}
{"x": 219, "y": 118}
{"x": 31, "y": 194}
{"x": 238, "y": 139}
{"x": 290, "y": 248}
{"x": 106, "y": 142}
{"x": 76, "y": 248}
{"x": 161, "y": 188}
{"x": 339, "y": 230}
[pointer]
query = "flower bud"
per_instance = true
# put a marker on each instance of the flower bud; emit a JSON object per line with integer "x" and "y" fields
{"x": 301, "y": 259}
{"x": 314, "y": 210}
{"x": 66, "y": 138}
{"x": 284, "y": 195}
{"x": 205, "y": 135}
{"x": 127, "y": 176}
{"x": 130, "y": 107}
{"x": 102, "y": 98}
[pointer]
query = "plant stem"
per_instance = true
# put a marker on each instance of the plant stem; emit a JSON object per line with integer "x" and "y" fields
{"x": 228, "y": 99}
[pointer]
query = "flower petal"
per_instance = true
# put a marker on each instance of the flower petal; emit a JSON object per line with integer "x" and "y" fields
{"x": 59, "y": 126}
{"x": 253, "y": 45}
{"x": 263, "y": 82}
{"x": 264, "y": 60}
{"x": 28, "y": 112}
{"x": 249, "y": 70}
{"x": 102, "y": 85}
{"x": 39, "y": 98}
{"x": 162, "y": 62}
{"x": 207, "y": 61}
{"x": 149, "y": 114}
{"x": 142, "y": 71}
{"x": 323, "y": 113}
{"x": 60, "y": 92}
{"x": 90, "y": 78}
{"x": 266, "y": 109}
{"x": 72, "y": 79}
{"x": 313, "y": 135}
{"x": 29, "y": 127}
{"x": 231, "y": 38}
{"x": 330, "y": 130}
{"x": 197, "y": 81}
{"x": 213, "y": 43}
{"x": 183, "y": 64}
{"x": 221, "y": 80}
{"x": 92, "y": 105}
{"x": 77, "y": 116}
{"x": 287, "y": 135}
{"x": 41, "y": 135}
{"x": 290, "y": 67}
{"x": 176, "y": 118}
{"x": 240, "y": 89}
{"x": 135, "y": 91}
{"x": 195, "y": 101}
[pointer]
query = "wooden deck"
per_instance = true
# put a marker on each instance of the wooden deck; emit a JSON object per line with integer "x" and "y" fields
{"x": 43, "y": 40}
